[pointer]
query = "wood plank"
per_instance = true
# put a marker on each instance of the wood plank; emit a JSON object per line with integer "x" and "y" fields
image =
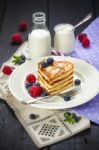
{"x": 66, "y": 11}
{"x": 15, "y": 11}
{"x": 96, "y": 7}
{"x": 92, "y": 136}
{"x": 12, "y": 135}
{"x": 86, "y": 140}
{"x": 75, "y": 142}
{"x": 2, "y": 11}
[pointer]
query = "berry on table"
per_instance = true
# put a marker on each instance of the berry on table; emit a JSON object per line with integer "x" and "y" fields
{"x": 31, "y": 78}
{"x": 21, "y": 61}
{"x": 32, "y": 116}
{"x": 35, "y": 91}
{"x": 77, "y": 82}
{"x": 85, "y": 42}
{"x": 66, "y": 113}
{"x": 16, "y": 38}
{"x": 50, "y": 60}
{"x": 22, "y": 25}
{"x": 18, "y": 59}
{"x": 22, "y": 57}
{"x": 67, "y": 98}
{"x": 76, "y": 118}
{"x": 7, "y": 70}
{"x": 81, "y": 36}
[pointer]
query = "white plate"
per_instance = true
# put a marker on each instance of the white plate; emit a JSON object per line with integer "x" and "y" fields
{"x": 88, "y": 75}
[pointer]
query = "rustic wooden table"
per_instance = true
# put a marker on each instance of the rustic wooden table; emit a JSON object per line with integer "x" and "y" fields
{"x": 12, "y": 134}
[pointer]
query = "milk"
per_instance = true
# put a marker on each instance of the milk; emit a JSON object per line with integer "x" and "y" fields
{"x": 39, "y": 44}
{"x": 64, "y": 39}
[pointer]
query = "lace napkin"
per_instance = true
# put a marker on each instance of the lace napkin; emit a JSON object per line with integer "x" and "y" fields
{"x": 49, "y": 127}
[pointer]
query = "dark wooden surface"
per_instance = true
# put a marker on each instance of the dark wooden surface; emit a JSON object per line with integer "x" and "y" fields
{"x": 12, "y": 134}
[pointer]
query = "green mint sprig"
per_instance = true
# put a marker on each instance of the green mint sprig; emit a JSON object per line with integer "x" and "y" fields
{"x": 16, "y": 59}
{"x": 71, "y": 118}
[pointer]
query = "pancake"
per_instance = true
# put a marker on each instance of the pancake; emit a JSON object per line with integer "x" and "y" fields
{"x": 56, "y": 77}
{"x": 62, "y": 76}
{"x": 56, "y": 70}
{"x": 62, "y": 89}
{"x": 55, "y": 84}
{"x": 65, "y": 84}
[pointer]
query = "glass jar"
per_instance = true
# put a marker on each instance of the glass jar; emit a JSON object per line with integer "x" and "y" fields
{"x": 64, "y": 39}
{"x": 39, "y": 39}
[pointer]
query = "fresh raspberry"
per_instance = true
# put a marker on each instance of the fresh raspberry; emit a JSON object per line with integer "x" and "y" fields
{"x": 35, "y": 91}
{"x": 81, "y": 36}
{"x": 31, "y": 78}
{"x": 85, "y": 42}
{"x": 22, "y": 25}
{"x": 16, "y": 38}
{"x": 7, "y": 70}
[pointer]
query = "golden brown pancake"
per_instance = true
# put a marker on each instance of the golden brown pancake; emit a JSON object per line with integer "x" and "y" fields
{"x": 55, "y": 70}
{"x": 56, "y": 77}
{"x": 55, "y": 84}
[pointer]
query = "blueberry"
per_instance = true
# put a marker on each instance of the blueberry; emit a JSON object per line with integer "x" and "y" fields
{"x": 77, "y": 82}
{"x": 36, "y": 84}
{"x": 50, "y": 60}
{"x": 66, "y": 113}
{"x": 21, "y": 61}
{"x": 32, "y": 116}
{"x": 76, "y": 118}
{"x": 22, "y": 57}
{"x": 28, "y": 85}
{"x": 73, "y": 114}
{"x": 44, "y": 64}
{"x": 67, "y": 98}
{"x": 44, "y": 94}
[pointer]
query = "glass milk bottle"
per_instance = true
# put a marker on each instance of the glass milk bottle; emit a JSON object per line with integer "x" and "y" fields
{"x": 64, "y": 39}
{"x": 39, "y": 39}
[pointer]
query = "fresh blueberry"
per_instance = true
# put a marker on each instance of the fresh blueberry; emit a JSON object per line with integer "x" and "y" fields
{"x": 22, "y": 57}
{"x": 28, "y": 85}
{"x": 50, "y": 60}
{"x": 21, "y": 61}
{"x": 76, "y": 118}
{"x": 44, "y": 64}
{"x": 67, "y": 98}
{"x": 36, "y": 84}
{"x": 67, "y": 113}
{"x": 73, "y": 114}
{"x": 44, "y": 94}
{"x": 77, "y": 82}
{"x": 32, "y": 116}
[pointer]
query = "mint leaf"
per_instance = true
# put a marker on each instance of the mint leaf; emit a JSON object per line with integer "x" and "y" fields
{"x": 71, "y": 118}
{"x": 16, "y": 59}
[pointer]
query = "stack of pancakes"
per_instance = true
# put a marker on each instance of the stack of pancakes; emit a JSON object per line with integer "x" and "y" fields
{"x": 56, "y": 77}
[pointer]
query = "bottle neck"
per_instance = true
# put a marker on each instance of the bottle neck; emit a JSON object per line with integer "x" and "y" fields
{"x": 39, "y": 25}
{"x": 39, "y": 20}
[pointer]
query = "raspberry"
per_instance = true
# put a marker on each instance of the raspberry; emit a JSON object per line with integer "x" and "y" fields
{"x": 22, "y": 25}
{"x": 81, "y": 36}
{"x": 7, "y": 70}
{"x": 85, "y": 42}
{"x": 35, "y": 91}
{"x": 16, "y": 38}
{"x": 31, "y": 78}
